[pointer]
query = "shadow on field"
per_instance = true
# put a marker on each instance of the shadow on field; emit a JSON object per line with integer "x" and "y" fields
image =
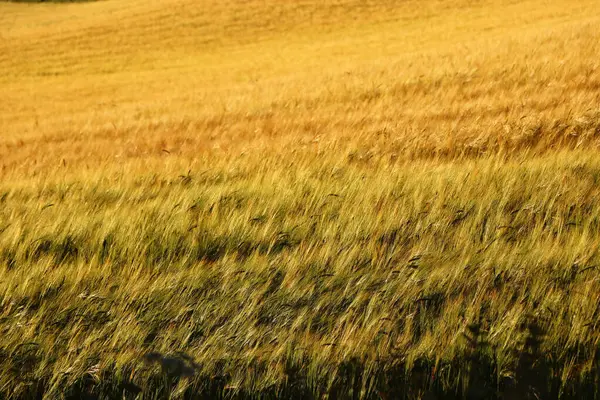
{"x": 475, "y": 375}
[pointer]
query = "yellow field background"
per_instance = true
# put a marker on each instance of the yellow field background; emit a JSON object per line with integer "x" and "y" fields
{"x": 307, "y": 198}
{"x": 114, "y": 82}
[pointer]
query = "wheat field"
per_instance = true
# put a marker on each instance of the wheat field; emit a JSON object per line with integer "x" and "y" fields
{"x": 299, "y": 199}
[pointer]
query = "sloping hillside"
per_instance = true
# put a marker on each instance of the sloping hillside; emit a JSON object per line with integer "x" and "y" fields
{"x": 132, "y": 77}
{"x": 300, "y": 199}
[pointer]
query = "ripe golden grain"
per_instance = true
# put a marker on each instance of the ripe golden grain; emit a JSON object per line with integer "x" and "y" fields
{"x": 283, "y": 198}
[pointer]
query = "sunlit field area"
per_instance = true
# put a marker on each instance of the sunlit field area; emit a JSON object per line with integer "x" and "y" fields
{"x": 338, "y": 199}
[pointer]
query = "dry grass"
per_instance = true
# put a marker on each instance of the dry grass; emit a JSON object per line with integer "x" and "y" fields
{"x": 374, "y": 199}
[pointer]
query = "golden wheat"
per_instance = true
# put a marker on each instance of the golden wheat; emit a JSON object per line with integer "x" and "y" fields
{"x": 373, "y": 199}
